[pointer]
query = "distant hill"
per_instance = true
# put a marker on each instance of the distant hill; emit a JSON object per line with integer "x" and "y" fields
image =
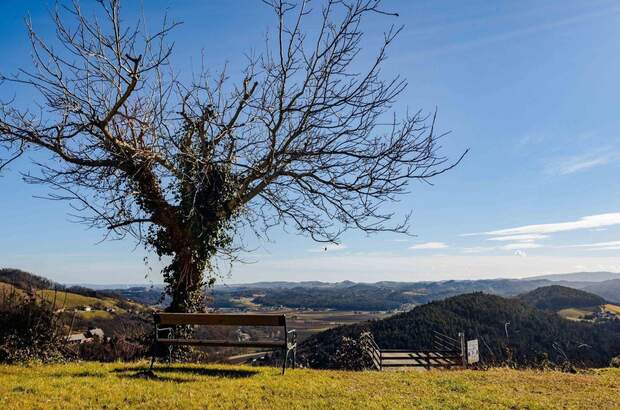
{"x": 380, "y": 296}
{"x": 609, "y": 289}
{"x": 345, "y": 295}
{"x": 578, "y": 277}
{"x": 556, "y": 297}
{"x": 506, "y": 328}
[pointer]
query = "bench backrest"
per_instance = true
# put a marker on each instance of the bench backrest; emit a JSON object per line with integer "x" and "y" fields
{"x": 173, "y": 319}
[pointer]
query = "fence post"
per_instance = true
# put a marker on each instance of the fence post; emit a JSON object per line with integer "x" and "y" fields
{"x": 463, "y": 349}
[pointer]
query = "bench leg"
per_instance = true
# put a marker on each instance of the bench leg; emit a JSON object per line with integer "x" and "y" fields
{"x": 153, "y": 359}
{"x": 285, "y": 360}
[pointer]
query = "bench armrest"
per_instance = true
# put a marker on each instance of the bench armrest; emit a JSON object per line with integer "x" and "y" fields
{"x": 291, "y": 338}
{"x": 161, "y": 329}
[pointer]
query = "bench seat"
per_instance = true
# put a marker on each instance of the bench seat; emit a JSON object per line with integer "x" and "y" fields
{"x": 223, "y": 343}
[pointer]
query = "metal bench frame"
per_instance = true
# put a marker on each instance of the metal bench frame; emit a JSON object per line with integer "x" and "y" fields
{"x": 170, "y": 321}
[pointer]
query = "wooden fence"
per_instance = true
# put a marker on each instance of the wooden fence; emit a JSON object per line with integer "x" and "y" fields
{"x": 447, "y": 352}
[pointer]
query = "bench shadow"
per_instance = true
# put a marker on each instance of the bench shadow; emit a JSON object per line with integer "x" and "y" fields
{"x": 199, "y": 371}
{"x": 154, "y": 377}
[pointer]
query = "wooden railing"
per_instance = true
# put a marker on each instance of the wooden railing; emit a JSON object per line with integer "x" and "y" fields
{"x": 371, "y": 349}
{"x": 447, "y": 353}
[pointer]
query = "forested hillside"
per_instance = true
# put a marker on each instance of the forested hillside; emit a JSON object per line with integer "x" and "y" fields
{"x": 508, "y": 330}
{"x": 26, "y": 280}
{"x": 558, "y": 297}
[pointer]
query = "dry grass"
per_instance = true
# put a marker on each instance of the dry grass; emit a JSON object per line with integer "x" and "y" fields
{"x": 612, "y": 308}
{"x": 578, "y": 313}
{"x": 95, "y": 385}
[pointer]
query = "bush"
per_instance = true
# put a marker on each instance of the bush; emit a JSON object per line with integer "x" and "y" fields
{"x": 350, "y": 355}
{"x": 123, "y": 348}
{"x": 29, "y": 330}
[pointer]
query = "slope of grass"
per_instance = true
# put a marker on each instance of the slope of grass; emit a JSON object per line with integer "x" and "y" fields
{"x": 581, "y": 313}
{"x": 577, "y": 313}
{"x": 95, "y": 385}
{"x": 612, "y": 308}
{"x": 6, "y": 289}
{"x": 72, "y": 300}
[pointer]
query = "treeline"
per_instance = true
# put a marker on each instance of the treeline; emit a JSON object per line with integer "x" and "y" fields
{"x": 25, "y": 280}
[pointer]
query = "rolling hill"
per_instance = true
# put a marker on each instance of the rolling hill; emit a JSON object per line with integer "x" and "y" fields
{"x": 556, "y": 297}
{"x": 508, "y": 329}
{"x": 578, "y": 277}
{"x": 609, "y": 289}
{"x": 85, "y": 308}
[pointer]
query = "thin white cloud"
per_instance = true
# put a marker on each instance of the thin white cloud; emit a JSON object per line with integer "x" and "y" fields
{"x": 478, "y": 249}
{"x": 577, "y": 163}
{"x": 587, "y": 222}
{"x": 521, "y": 245}
{"x": 519, "y": 238}
{"x": 429, "y": 245}
{"x": 598, "y": 246}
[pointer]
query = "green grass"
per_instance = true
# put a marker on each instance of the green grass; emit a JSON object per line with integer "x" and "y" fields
{"x": 111, "y": 386}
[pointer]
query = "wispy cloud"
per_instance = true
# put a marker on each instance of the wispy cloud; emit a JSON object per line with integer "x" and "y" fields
{"x": 577, "y": 163}
{"x": 493, "y": 37}
{"x": 587, "y": 222}
{"x": 519, "y": 238}
{"x": 429, "y": 245}
{"x": 521, "y": 245}
{"x": 598, "y": 246}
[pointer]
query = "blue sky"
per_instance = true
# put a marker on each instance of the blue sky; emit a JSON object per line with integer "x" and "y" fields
{"x": 531, "y": 87}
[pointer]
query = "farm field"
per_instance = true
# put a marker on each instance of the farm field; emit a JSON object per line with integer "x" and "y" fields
{"x": 96, "y": 385}
{"x": 308, "y": 323}
{"x": 612, "y": 308}
{"x": 580, "y": 313}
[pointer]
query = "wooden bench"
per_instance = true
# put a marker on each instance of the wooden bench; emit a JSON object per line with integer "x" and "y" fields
{"x": 169, "y": 321}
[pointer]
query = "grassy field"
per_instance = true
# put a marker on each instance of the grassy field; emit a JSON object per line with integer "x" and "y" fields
{"x": 577, "y": 313}
{"x": 112, "y": 386}
{"x": 580, "y": 313}
{"x": 612, "y": 308}
{"x": 69, "y": 301}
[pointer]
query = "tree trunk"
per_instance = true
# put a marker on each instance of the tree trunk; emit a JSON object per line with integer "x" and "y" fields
{"x": 184, "y": 283}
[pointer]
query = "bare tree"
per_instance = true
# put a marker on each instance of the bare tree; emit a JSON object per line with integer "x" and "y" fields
{"x": 190, "y": 167}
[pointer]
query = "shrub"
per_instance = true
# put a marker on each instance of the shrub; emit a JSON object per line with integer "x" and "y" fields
{"x": 350, "y": 355}
{"x": 29, "y": 330}
{"x": 124, "y": 348}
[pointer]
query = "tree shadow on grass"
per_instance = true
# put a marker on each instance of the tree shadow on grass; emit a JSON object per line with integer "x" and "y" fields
{"x": 200, "y": 371}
